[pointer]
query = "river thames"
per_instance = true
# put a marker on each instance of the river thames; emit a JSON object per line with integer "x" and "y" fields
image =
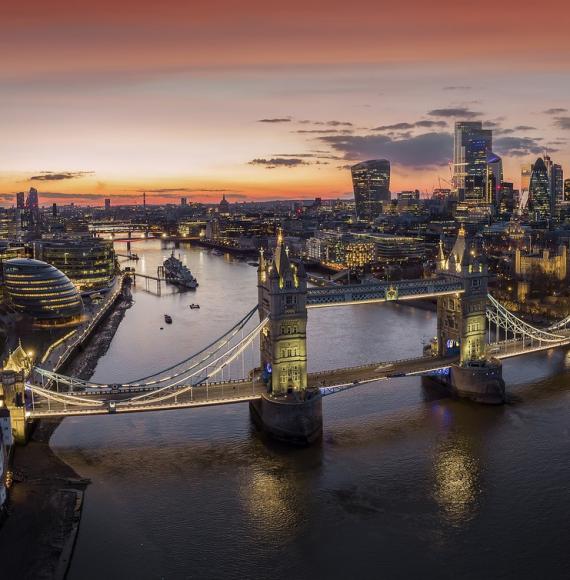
{"x": 404, "y": 484}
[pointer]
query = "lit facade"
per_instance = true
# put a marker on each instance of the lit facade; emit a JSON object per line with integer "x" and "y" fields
{"x": 282, "y": 287}
{"x": 88, "y": 262}
{"x": 371, "y": 183}
{"x": 472, "y": 151}
{"x": 41, "y": 291}
{"x": 556, "y": 266}
{"x": 539, "y": 199}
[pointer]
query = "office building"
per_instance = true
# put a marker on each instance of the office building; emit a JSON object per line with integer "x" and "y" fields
{"x": 88, "y": 262}
{"x": 107, "y": 204}
{"x": 526, "y": 172}
{"x": 20, "y": 200}
{"x": 539, "y": 201}
{"x": 473, "y": 148}
{"x": 371, "y": 184}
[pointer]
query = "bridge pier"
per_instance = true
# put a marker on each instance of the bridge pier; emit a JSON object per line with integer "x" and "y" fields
{"x": 290, "y": 411}
{"x": 478, "y": 382}
{"x": 290, "y": 419}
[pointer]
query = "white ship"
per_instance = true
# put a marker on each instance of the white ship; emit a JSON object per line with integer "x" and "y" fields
{"x": 177, "y": 273}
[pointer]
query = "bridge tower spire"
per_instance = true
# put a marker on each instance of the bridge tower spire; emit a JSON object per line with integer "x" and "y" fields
{"x": 290, "y": 411}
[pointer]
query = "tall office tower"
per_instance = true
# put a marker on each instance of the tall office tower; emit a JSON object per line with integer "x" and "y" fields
{"x": 526, "y": 172}
{"x": 54, "y": 209}
{"x": 20, "y": 200}
{"x": 183, "y": 201}
{"x": 567, "y": 190}
{"x": 472, "y": 148}
{"x": 33, "y": 201}
{"x": 107, "y": 204}
{"x": 506, "y": 200}
{"x": 371, "y": 183}
{"x": 539, "y": 192}
{"x": 494, "y": 178}
{"x": 557, "y": 183}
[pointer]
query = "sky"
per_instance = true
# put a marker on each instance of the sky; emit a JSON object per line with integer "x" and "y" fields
{"x": 262, "y": 100}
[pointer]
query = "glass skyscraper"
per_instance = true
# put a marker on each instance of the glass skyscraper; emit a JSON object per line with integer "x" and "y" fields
{"x": 539, "y": 199}
{"x": 371, "y": 183}
{"x": 473, "y": 148}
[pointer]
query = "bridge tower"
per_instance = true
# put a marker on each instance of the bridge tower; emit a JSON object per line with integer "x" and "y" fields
{"x": 290, "y": 410}
{"x": 13, "y": 394}
{"x": 461, "y": 323}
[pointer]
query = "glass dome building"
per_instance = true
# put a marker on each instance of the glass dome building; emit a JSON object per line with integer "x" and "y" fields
{"x": 41, "y": 291}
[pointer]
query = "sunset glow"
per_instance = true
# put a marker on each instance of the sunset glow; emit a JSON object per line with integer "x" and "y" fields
{"x": 258, "y": 101}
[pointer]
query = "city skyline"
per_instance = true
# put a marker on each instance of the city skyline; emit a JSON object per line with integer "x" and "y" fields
{"x": 104, "y": 104}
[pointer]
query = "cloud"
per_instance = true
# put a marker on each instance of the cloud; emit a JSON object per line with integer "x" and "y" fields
{"x": 457, "y": 88}
{"x": 323, "y": 131}
{"x": 420, "y": 151}
{"x": 329, "y": 123}
{"x": 525, "y": 128}
{"x": 426, "y": 124}
{"x": 276, "y": 120}
{"x": 562, "y": 122}
{"x": 275, "y": 162}
{"x": 455, "y": 112}
{"x": 52, "y": 176}
{"x": 517, "y": 146}
{"x": 555, "y": 111}
{"x": 394, "y": 127}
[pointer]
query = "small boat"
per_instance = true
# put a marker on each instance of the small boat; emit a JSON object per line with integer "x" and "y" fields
{"x": 194, "y": 306}
{"x": 168, "y": 319}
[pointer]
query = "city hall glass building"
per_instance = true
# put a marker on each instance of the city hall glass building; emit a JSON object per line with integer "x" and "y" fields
{"x": 41, "y": 291}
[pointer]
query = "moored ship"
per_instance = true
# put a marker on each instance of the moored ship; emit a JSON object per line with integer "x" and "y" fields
{"x": 177, "y": 273}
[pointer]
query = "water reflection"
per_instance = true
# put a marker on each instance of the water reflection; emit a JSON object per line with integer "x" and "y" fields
{"x": 272, "y": 500}
{"x": 456, "y": 466}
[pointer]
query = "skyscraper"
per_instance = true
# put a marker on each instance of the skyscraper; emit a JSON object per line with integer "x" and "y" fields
{"x": 526, "y": 172}
{"x": 567, "y": 190}
{"x": 506, "y": 200}
{"x": 556, "y": 179}
{"x": 20, "y": 200}
{"x": 107, "y": 204}
{"x": 539, "y": 200}
{"x": 473, "y": 147}
{"x": 371, "y": 183}
{"x": 494, "y": 178}
{"x": 33, "y": 201}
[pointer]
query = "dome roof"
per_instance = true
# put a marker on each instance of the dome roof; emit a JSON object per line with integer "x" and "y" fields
{"x": 40, "y": 290}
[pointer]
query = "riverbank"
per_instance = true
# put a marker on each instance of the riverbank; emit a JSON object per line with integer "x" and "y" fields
{"x": 37, "y": 539}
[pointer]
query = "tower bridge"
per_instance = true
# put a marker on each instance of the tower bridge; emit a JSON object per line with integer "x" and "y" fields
{"x": 474, "y": 333}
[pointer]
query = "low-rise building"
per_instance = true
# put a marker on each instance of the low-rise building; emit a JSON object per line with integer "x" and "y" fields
{"x": 527, "y": 265}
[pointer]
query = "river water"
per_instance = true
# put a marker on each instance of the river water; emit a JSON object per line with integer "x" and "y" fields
{"x": 405, "y": 483}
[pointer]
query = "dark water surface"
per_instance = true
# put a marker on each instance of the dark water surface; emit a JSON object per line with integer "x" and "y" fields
{"x": 405, "y": 484}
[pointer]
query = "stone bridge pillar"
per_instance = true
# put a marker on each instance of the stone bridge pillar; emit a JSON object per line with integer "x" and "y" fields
{"x": 461, "y": 324}
{"x": 289, "y": 410}
{"x": 13, "y": 394}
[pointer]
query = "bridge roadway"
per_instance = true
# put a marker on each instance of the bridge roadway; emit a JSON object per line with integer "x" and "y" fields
{"x": 517, "y": 347}
{"x": 382, "y": 292}
{"x": 97, "y": 402}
